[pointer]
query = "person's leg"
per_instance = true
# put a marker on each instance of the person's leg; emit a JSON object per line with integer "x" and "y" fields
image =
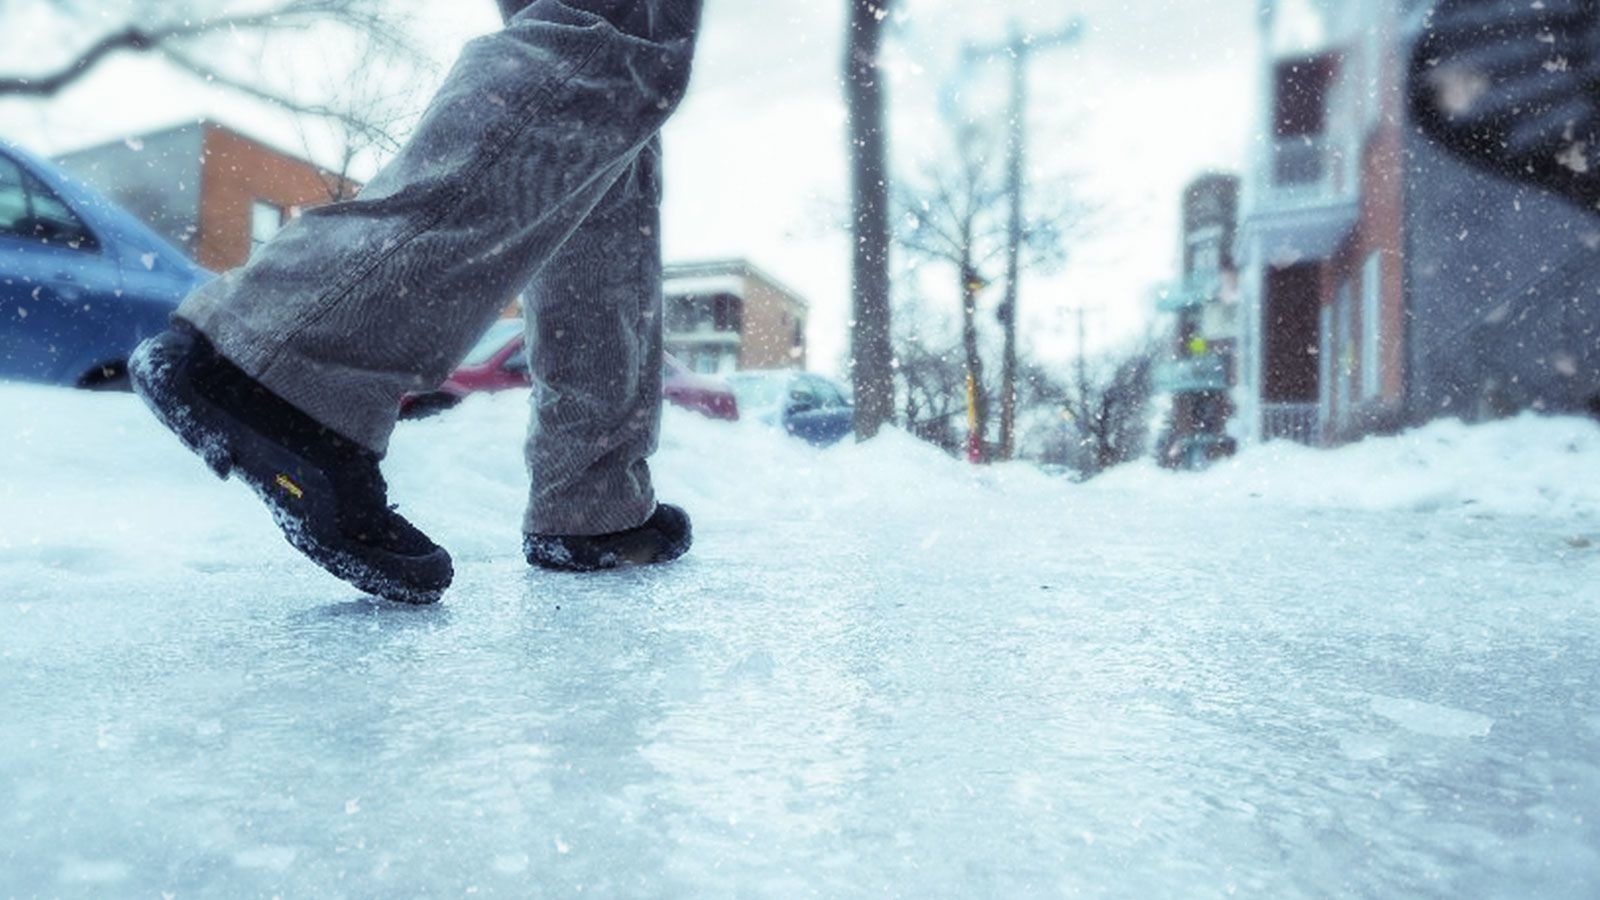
{"x": 354, "y": 304}
{"x": 594, "y": 342}
{"x": 594, "y": 335}
{"x": 288, "y": 372}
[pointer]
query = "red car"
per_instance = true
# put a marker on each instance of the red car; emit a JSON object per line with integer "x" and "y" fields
{"x": 497, "y": 363}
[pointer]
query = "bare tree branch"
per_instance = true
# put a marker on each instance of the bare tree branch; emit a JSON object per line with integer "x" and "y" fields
{"x": 182, "y": 24}
{"x": 135, "y": 38}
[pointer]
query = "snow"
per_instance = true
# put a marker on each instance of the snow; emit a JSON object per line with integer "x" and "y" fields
{"x": 1365, "y": 672}
{"x": 1532, "y": 465}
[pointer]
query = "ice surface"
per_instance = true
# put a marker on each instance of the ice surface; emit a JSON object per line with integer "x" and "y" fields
{"x": 1372, "y": 672}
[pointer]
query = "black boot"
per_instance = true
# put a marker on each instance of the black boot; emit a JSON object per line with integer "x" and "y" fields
{"x": 664, "y": 537}
{"x": 324, "y": 491}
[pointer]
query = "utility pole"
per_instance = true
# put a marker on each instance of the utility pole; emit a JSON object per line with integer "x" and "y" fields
{"x": 1020, "y": 47}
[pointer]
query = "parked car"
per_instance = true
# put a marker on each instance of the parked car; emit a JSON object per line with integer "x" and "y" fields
{"x": 808, "y": 406}
{"x": 498, "y": 363}
{"x": 82, "y": 281}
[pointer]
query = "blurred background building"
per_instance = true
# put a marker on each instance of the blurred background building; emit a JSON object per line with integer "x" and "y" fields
{"x": 1382, "y": 282}
{"x": 1200, "y": 373}
{"x": 214, "y": 192}
{"x": 727, "y": 315}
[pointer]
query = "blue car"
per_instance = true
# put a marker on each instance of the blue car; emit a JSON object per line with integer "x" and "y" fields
{"x": 81, "y": 280}
{"x": 810, "y": 407}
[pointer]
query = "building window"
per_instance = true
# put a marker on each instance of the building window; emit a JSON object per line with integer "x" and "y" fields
{"x": 1204, "y": 263}
{"x": 725, "y": 315}
{"x": 1325, "y": 357}
{"x": 265, "y": 220}
{"x": 1344, "y": 344}
{"x": 691, "y": 313}
{"x": 1372, "y": 326}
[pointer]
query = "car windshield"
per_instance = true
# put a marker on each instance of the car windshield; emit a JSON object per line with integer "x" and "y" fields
{"x": 498, "y": 335}
{"x": 758, "y": 391}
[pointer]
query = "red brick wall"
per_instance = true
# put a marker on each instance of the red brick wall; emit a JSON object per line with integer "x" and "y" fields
{"x": 769, "y": 322}
{"x": 1380, "y": 227}
{"x": 236, "y": 172}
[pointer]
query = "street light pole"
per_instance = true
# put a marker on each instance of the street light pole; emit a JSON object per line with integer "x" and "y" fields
{"x": 1021, "y": 48}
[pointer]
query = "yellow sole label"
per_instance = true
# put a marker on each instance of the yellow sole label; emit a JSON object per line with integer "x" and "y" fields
{"x": 293, "y": 489}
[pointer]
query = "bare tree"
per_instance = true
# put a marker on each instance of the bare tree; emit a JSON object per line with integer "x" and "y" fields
{"x": 931, "y": 376}
{"x": 933, "y": 379}
{"x": 956, "y": 211}
{"x": 372, "y": 106}
{"x": 1095, "y": 420}
{"x": 216, "y": 41}
{"x": 872, "y": 356}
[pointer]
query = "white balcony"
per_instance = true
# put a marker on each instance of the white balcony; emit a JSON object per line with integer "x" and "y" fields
{"x": 1304, "y": 198}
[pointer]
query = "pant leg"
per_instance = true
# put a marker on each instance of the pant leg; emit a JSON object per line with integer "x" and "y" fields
{"x": 594, "y": 338}
{"x": 594, "y": 335}
{"x": 356, "y": 303}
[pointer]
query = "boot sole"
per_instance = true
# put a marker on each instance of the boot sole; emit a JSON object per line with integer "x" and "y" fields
{"x": 563, "y": 561}
{"x": 236, "y": 451}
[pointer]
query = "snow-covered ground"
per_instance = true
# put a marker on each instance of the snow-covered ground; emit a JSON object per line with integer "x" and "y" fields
{"x": 1369, "y": 672}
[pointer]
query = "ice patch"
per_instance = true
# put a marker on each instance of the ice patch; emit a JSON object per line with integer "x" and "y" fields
{"x": 511, "y": 863}
{"x": 267, "y": 856}
{"x": 92, "y": 871}
{"x": 1430, "y": 719}
{"x": 1363, "y": 747}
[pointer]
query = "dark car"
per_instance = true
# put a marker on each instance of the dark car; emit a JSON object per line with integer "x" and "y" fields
{"x": 498, "y": 363}
{"x": 82, "y": 282}
{"x": 810, "y": 407}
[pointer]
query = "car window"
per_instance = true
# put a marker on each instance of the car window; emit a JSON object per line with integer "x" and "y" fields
{"x": 498, "y": 335}
{"x": 803, "y": 393}
{"x": 828, "y": 396}
{"x": 517, "y": 361}
{"x": 757, "y": 391}
{"x": 52, "y": 221}
{"x": 13, "y": 199}
{"x": 30, "y": 210}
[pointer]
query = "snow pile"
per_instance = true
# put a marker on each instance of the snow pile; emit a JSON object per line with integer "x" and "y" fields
{"x": 1530, "y": 465}
{"x": 93, "y": 478}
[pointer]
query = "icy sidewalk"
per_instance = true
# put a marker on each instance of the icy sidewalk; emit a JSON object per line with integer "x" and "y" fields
{"x": 879, "y": 674}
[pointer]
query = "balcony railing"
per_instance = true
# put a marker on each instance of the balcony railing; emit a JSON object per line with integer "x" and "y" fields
{"x": 1299, "y": 422}
{"x": 1192, "y": 375}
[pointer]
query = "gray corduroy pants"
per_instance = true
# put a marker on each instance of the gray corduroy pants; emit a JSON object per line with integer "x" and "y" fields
{"x": 537, "y": 167}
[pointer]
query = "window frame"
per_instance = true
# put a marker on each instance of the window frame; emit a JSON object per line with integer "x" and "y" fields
{"x": 1345, "y": 361}
{"x": 1372, "y": 326}
{"x": 258, "y": 205}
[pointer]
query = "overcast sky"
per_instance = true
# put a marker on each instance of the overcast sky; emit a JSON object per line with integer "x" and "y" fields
{"x": 1155, "y": 93}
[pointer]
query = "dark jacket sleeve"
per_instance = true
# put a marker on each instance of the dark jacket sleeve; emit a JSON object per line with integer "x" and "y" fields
{"x": 1509, "y": 86}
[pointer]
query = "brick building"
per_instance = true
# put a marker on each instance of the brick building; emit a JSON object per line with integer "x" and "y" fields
{"x": 212, "y": 191}
{"x": 1382, "y": 282}
{"x": 727, "y": 315}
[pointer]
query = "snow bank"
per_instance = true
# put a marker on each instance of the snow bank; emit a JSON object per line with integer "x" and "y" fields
{"x": 92, "y": 484}
{"x": 1530, "y": 465}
